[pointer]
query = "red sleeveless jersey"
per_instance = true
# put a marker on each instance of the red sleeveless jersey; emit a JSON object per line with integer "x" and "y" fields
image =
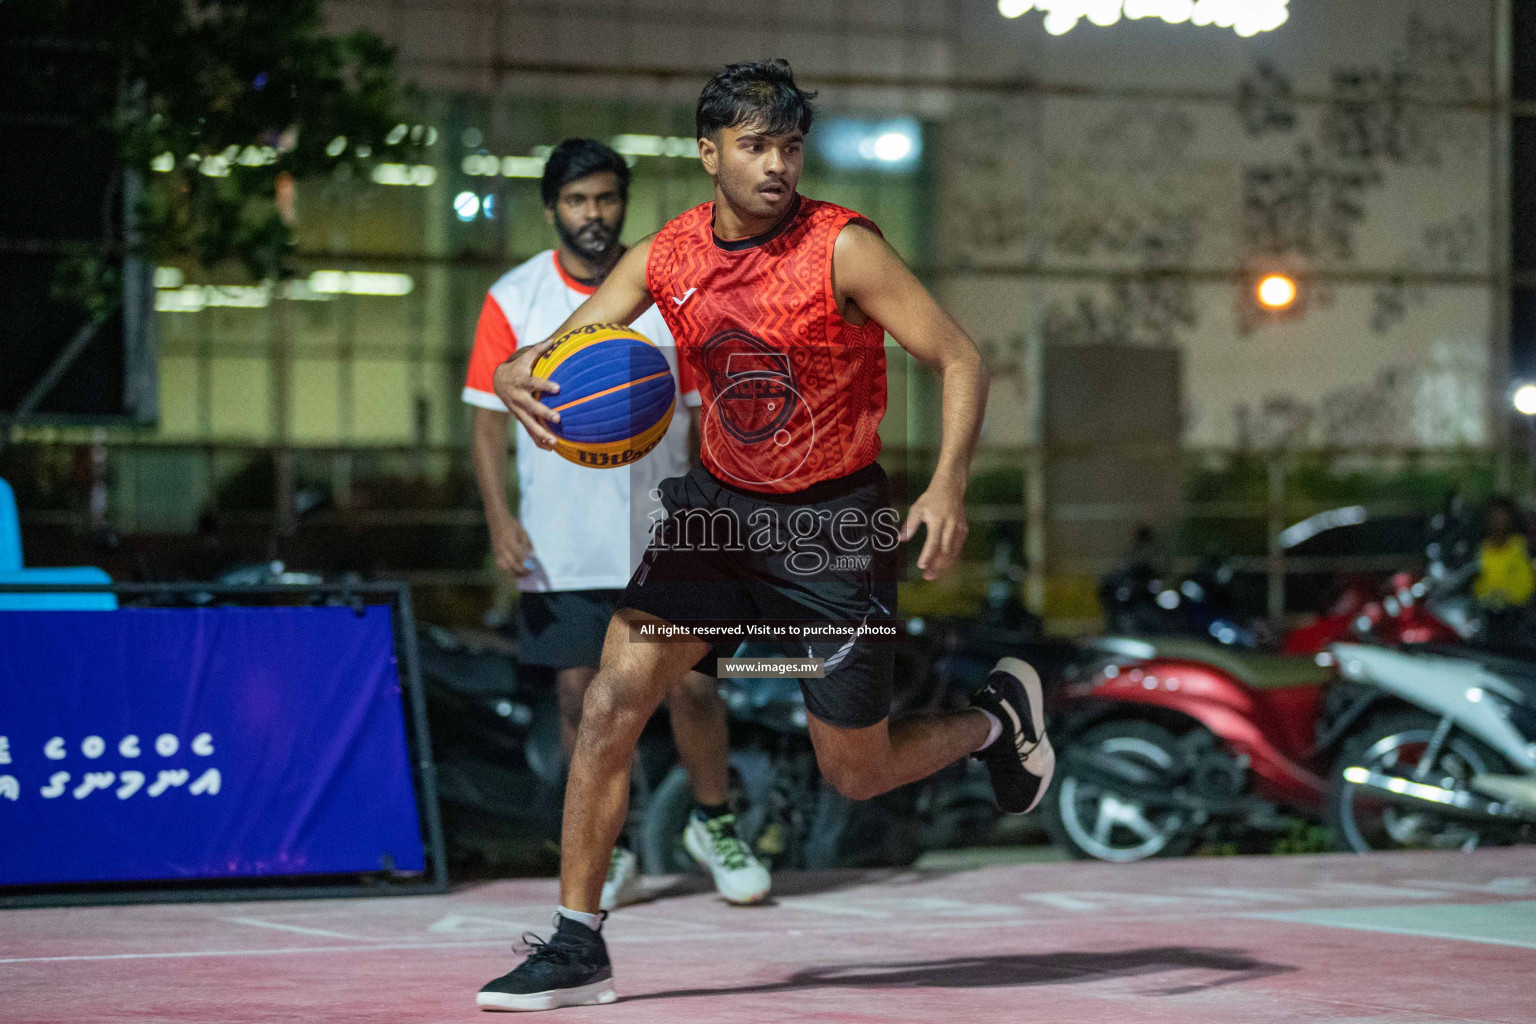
{"x": 792, "y": 393}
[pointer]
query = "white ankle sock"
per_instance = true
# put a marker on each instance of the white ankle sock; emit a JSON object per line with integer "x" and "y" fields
{"x": 593, "y": 921}
{"x": 994, "y": 728}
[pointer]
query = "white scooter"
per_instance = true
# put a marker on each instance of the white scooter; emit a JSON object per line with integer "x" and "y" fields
{"x": 1441, "y": 748}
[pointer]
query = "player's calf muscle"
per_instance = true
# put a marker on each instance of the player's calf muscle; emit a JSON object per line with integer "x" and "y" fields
{"x": 863, "y": 763}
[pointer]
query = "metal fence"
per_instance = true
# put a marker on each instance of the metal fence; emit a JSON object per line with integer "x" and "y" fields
{"x": 413, "y": 512}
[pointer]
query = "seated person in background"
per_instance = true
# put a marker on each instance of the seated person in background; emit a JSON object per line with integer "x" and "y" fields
{"x": 1505, "y": 579}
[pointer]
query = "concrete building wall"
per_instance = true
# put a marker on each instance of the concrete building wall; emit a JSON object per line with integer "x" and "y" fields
{"x": 1115, "y": 185}
{"x": 1136, "y": 200}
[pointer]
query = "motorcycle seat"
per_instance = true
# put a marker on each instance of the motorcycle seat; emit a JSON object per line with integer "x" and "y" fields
{"x": 1518, "y": 671}
{"x": 1255, "y": 671}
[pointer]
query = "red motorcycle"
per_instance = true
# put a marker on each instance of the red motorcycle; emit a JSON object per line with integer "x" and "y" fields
{"x": 1169, "y": 742}
{"x": 1407, "y": 614}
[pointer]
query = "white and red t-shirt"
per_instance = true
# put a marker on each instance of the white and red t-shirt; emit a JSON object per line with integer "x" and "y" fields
{"x": 575, "y": 515}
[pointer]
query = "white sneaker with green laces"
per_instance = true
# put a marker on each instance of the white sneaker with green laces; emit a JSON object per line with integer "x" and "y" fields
{"x": 622, "y": 886}
{"x": 738, "y": 875}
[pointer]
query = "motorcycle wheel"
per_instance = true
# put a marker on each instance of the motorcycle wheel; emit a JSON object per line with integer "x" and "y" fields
{"x": 959, "y": 809}
{"x": 878, "y": 833}
{"x": 1090, "y": 822}
{"x": 1394, "y": 745}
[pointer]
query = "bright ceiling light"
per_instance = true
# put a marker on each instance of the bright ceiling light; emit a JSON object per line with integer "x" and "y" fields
{"x": 1174, "y": 12}
{"x": 890, "y": 146}
{"x": 655, "y": 145}
{"x": 466, "y": 205}
{"x": 522, "y": 167}
{"x": 1525, "y": 399}
{"x": 1245, "y": 17}
{"x": 893, "y": 146}
{"x": 1059, "y": 23}
{"x": 1104, "y": 13}
{"x": 360, "y": 282}
{"x": 1276, "y": 291}
{"x": 404, "y": 174}
{"x": 479, "y": 163}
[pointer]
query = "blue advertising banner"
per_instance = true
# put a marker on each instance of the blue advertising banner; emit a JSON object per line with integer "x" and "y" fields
{"x": 202, "y": 743}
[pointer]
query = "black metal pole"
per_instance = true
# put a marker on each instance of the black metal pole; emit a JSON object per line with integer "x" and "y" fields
{"x": 428, "y": 768}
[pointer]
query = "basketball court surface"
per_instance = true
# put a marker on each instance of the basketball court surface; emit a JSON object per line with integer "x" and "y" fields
{"x": 1392, "y": 939}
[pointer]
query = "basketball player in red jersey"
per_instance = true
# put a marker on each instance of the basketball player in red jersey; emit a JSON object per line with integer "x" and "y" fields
{"x": 779, "y": 305}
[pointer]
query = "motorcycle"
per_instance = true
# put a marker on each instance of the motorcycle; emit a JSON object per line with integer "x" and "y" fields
{"x": 1168, "y": 742}
{"x": 1434, "y": 608}
{"x": 1138, "y": 601}
{"x": 495, "y": 730}
{"x": 1425, "y": 611}
{"x": 786, "y": 813}
{"x": 783, "y": 811}
{"x": 1441, "y": 751}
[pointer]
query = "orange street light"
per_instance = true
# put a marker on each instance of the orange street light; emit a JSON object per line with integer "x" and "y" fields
{"x": 1276, "y": 291}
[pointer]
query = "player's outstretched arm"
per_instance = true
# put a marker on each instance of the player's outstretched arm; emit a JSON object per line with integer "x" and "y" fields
{"x": 620, "y": 299}
{"x": 868, "y": 273}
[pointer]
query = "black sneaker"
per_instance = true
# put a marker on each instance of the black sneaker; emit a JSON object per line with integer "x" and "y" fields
{"x": 571, "y": 969}
{"x": 1020, "y": 760}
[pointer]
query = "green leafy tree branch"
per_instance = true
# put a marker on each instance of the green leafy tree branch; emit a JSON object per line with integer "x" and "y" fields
{"x": 218, "y": 108}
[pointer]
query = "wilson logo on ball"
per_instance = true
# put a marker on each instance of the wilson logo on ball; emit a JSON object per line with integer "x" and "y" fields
{"x": 616, "y": 395}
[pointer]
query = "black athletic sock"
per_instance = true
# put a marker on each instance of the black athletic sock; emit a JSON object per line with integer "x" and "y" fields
{"x": 622, "y": 842}
{"x": 705, "y": 812}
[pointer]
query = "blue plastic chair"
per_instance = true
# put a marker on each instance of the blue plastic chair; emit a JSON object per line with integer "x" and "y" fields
{"x": 10, "y": 530}
{"x": 86, "y": 602}
{"x": 12, "y": 571}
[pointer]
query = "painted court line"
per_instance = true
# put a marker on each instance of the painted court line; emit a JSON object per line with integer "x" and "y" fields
{"x": 1245, "y": 895}
{"x": 1418, "y": 933}
{"x": 1419, "y": 1016}
{"x": 1510, "y": 923}
{"x": 640, "y": 915}
{"x": 257, "y": 923}
{"x": 283, "y": 951}
{"x": 766, "y": 934}
{"x": 460, "y": 924}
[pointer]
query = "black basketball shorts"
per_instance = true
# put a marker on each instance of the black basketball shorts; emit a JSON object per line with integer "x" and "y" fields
{"x": 824, "y": 555}
{"x": 563, "y": 628}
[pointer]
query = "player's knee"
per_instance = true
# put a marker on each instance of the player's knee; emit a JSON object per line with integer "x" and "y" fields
{"x": 854, "y": 781}
{"x": 606, "y": 712}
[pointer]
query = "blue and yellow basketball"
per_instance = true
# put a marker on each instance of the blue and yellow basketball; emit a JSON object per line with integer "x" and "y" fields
{"x": 616, "y": 394}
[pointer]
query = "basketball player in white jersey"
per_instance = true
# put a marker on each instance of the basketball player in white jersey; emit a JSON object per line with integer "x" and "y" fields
{"x": 580, "y": 531}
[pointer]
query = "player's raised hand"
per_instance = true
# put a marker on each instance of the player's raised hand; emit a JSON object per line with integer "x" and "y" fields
{"x": 941, "y": 511}
{"x": 519, "y": 391}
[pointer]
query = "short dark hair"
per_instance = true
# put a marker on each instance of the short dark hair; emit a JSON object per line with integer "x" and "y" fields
{"x": 575, "y": 159}
{"x": 762, "y": 93}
